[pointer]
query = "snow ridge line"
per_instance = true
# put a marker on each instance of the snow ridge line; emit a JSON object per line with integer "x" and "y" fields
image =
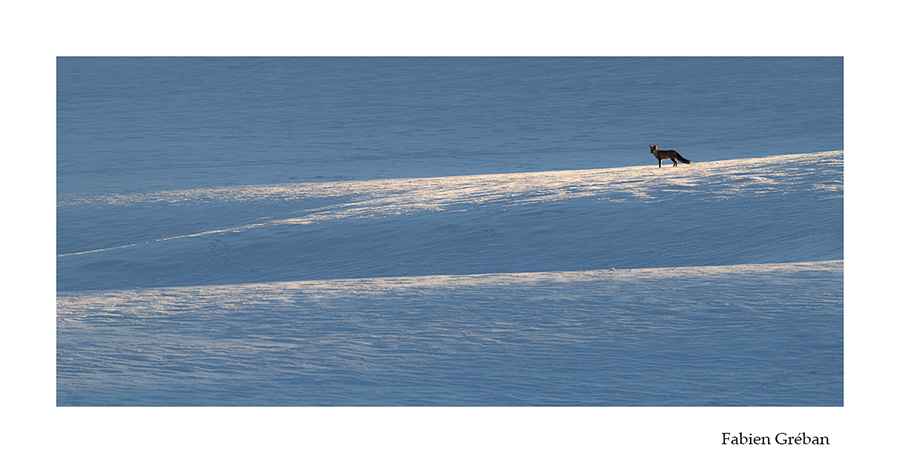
{"x": 433, "y": 282}
{"x": 378, "y": 198}
{"x": 502, "y": 183}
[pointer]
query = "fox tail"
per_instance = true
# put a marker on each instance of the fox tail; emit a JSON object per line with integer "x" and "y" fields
{"x": 681, "y": 158}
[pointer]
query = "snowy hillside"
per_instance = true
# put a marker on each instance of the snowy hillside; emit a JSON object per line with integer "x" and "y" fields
{"x": 716, "y": 283}
{"x": 767, "y": 334}
{"x": 772, "y": 209}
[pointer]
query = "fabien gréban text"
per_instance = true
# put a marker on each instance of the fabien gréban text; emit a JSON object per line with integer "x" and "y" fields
{"x": 781, "y": 438}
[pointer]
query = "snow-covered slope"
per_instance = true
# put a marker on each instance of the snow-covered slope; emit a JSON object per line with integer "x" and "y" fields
{"x": 772, "y": 209}
{"x": 716, "y": 283}
{"x": 768, "y": 334}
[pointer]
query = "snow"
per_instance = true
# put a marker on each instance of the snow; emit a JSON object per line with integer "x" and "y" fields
{"x": 476, "y": 434}
{"x": 715, "y": 283}
{"x": 668, "y": 336}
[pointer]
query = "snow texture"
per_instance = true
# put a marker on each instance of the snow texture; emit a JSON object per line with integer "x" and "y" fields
{"x": 715, "y": 283}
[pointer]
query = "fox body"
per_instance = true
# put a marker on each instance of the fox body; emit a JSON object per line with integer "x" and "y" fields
{"x": 667, "y": 154}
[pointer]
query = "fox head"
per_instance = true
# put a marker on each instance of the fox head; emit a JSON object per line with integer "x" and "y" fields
{"x": 653, "y": 147}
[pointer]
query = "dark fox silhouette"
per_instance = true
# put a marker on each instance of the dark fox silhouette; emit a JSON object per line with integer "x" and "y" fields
{"x": 667, "y": 154}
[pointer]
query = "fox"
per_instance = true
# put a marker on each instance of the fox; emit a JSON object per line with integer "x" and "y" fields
{"x": 667, "y": 154}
